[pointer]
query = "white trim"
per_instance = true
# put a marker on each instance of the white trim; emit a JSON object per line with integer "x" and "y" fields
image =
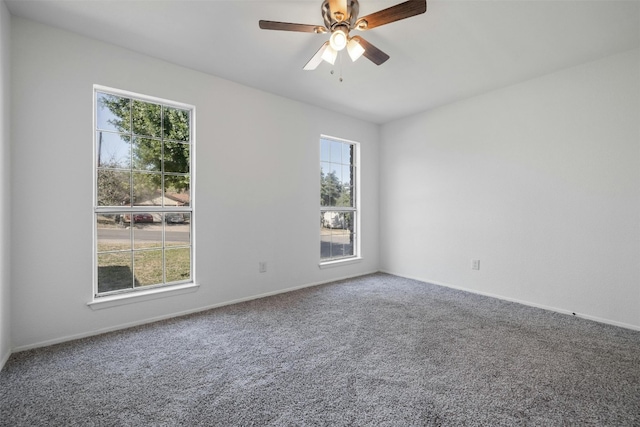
{"x": 193, "y": 192}
{"x": 94, "y": 178}
{"x": 239, "y": 300}
{"x": 356, "y": 208}
{"x": 178, "y": 314}
{"x": 527, "y": 303}
{"x": 335, "y": 138}
{"x": 140, "y": 96}
{"x": 191, "y": 209}
{"x": 339, "y": 262}
{"x": 98, "y": 303}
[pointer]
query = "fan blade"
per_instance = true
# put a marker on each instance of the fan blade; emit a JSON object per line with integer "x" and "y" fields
{"x": 317, "y": 58}
{"x": 392, "y": 14}
{"x": 288, "y": 26}
{"x": 371, "y": 52}
{"x": 338, "y": 6}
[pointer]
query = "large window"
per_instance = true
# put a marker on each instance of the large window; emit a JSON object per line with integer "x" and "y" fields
{"x": 339, "y": 213}
{"x": 143, "y": 204}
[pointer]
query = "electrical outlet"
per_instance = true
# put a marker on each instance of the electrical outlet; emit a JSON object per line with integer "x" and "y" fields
{"x": 262, "y": 266}
{"x": 475, "y": 264}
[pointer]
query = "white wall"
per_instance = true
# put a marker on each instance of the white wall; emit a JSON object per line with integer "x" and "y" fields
{"x": 5, "y": 303}
{"x": 540, "y": 181}
{"x": 257, "y": 184}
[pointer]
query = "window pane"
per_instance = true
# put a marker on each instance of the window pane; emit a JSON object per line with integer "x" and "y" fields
{"x": 330, "y": 188}
{"x": 336, "y": 234}
{"x": 177, "y": 230}
{"x": 146, "y": 234}
{"x": 176, "y": 124}
{"x": 345, "y": 199}
{"x": 112, "y": 236}
{"x": 336, "y": 170}
{"x": 114, "y": 188}
{"x": 341, "y": 245}
{"x": 176, "y": 157}
{"x": 347, "y": 175}
{"x": 349, "y": 221}
{"x": 147, "y": 154}
{"x": 113, "y": 113}
{"x": 147, "y": 267}
{"x": 331, "y": 220}
{"x": 146, "y": 118}
{"x": 325, "y": 147}
{"x": 176, "y": 190}
{"x": 347, "y": 150}
{"x": 147, "y": 189}
{"x": 325, "y": 168}
{"x": 114, "y": 271}
{"x": 342, "y": 236}
{"x": 113, "y": 150}
{"x": 336, "y": 152}
{"x": 178, "y": 264}
{"x": 325, "y": 236}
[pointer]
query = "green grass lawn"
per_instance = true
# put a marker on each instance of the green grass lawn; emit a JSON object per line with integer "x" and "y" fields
{"x": 128, "y": 269}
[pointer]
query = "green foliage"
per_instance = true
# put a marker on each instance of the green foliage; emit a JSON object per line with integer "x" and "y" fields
{"x": 176, "y": 124}
{"x": 146, "y": 118}
{"x": 114, "y": 188}
{"x": 330, "y": 189}
{"x": 345, "y": 198}
{"x": 121, "y": 109}
{"x": 332, "y": 192}
{"x": 161, "y": 138}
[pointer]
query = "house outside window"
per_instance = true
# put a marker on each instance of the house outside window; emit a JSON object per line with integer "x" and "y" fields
{"x": 339, "y": 200}
{"x": 143, "y": 203}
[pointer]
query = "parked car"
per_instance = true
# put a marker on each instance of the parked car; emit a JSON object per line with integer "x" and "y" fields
{"x": 174, "y": 218}
{"x": 137, "y": 218}
{"x": 142, "y": 217}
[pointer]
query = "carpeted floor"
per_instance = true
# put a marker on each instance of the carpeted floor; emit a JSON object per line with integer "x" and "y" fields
{"x": 374, "y": 351}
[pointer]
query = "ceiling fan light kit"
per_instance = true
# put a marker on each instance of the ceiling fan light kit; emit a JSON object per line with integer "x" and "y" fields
{"x": 339, "y": 37}
{"x": 341, "y": 16}
{"x": 329, "y": 54}
{"x": 354, "y": 49}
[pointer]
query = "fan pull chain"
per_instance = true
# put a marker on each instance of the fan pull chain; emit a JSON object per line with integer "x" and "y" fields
{"x": 340, "y": 79}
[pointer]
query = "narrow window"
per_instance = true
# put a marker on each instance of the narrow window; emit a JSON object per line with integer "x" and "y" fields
{"x": 339, "y": 213}
{"x": 143, "y": 204}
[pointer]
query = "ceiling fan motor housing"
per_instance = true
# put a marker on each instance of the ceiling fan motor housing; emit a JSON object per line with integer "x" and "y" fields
{"x": 330, "y": 19}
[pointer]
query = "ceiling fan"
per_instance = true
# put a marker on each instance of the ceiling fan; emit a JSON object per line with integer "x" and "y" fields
{"x": 341, "y": 16}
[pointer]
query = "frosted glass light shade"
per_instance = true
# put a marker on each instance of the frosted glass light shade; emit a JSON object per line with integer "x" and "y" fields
{"x": 330, "y": 55}
{"x": 339, "y": 39}
{"x": 355, "y": 50}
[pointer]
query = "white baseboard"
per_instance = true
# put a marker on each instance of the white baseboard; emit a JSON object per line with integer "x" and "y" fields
{"x": 172, "y": 315}
{"x": 294, "y": 288}
{"x": 527, "y": 303}
{"x": 4, "y": 359}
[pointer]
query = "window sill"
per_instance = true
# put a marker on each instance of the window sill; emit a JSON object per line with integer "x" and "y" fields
{"x": 339, "y": 262}
{"x": 98, "y": 303}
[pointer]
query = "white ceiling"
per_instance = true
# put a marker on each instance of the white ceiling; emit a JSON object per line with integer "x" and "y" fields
{"x": 455, "y": 50}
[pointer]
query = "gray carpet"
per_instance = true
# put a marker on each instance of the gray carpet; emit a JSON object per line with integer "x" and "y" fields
{"x": 377, "y": 350}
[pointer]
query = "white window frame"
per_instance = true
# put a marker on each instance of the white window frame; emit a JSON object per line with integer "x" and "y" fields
{"x": 125, "y": 296}
{"x": 355, "y": 209}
